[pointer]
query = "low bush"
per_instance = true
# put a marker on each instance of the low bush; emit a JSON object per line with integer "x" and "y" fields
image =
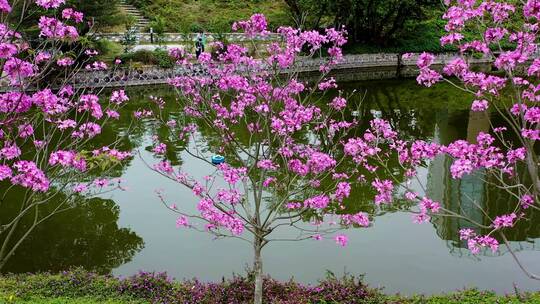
{"x": 157, "y": 57}
{"x": 163, "y": 59}
{"x": 81, "y": 287}
{"x": 148, "y": 287}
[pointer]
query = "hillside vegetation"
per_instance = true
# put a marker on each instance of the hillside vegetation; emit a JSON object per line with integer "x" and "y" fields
{"x": 210, "y": 15}
{"x": 218, "y": 16}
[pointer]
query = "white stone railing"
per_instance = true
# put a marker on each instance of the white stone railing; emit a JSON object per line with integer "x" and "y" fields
{"x": 384, "y": 65}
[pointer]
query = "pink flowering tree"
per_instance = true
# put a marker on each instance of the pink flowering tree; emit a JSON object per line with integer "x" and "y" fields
{"x": 48, "y": 128}
{"x": 284, "y": 165}
{"x": 503, "y": 155}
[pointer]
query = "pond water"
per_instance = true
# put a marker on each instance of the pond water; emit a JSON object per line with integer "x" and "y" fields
{"x": 127, "y": 231}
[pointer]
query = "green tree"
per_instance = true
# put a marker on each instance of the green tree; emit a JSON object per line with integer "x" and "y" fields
{"x": 370, "y": 21}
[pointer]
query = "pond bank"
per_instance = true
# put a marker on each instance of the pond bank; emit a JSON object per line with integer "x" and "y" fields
{"x": 79, "y": 286}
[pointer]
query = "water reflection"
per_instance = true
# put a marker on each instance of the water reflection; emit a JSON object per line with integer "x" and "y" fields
{"x": 473, "y": 193}
{"x": 92, "y": 234}
{"x": 75, "y": 231}
{"x": 86, "y": 234}
{"x": 435, "y": 114}
{"x": 389, "y": 253}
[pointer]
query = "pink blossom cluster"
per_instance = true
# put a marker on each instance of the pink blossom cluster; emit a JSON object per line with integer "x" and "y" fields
{"x": 28, "y": 175}
{"x": 10, "y": 151}
{"x": 256, "y": 25}
{"x": 50, "y": 103}
{"x": 343, "y": 190}
{"x": 317, "y": 202}
{"x": 71, "y": 14}
{"x": 119, "y": 97}
{"x": 342, "y": 240}
{"x": 67, "y": 159}
{"x": 25, "y": 130}
{"x": 90, "y": 103}
{"x": 88, "y": 130}
{"x": 55, "y": 29}
{"x": 232, "y": 196}
{"x": 64, "y": 62}
{"x": 267, "y": 164}
{"x": 96, "y": 66}
{"x": 8, "y": 50}
{"x": 504, "y": 221}
{"x": 4, "y": 6}
{"x": 112, "y": 153}
{"x": 361, "y": 219}
{"x": 217, "y": 218}
{"x": 41, "y": 57}
{"x": 232, "y": 175}
{"x": 477, "y": 242}
{"x": 427, "y": 206}
{"x": 47, "y": 4}
{"x": 384, "y": 190}
{"x": 18, "y": 70}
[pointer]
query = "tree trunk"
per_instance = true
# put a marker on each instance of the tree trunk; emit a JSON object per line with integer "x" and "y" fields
{"x": 257, "y": 269}
{"x": 532, "y": 167}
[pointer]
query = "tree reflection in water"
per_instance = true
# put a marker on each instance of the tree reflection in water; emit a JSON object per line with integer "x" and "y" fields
{"x": 465, "y": 196}
{"x": 85, "y": 235}
{"x": 88, "y": 235}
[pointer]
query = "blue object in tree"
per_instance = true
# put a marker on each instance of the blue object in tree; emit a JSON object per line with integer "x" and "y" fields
{"x": 218, "y": 159}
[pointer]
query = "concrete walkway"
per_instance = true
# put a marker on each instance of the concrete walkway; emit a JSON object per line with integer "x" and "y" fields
{"x": 151, "y": 47}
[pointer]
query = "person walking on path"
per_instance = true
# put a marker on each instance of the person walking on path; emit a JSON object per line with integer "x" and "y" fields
{"x": 199, "y": 47}
{"x": 203, "y": 36}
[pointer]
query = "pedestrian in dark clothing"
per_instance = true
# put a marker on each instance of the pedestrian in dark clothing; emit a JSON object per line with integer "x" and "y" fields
{"x": 199, "y": 47}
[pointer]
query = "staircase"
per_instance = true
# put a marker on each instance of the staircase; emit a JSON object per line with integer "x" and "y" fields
{"x": 142, "y": 23}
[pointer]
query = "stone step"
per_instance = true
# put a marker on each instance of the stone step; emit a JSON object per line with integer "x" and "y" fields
{"x": 141, "y": 22}
{"x": 131, "y": 9}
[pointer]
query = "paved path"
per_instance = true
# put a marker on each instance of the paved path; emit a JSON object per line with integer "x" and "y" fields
{"x": 151, "y": 47}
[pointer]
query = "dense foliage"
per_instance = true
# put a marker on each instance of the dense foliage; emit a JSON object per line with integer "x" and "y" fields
{"x": 378, "y": 22}
{"x": 417, "y": 23}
